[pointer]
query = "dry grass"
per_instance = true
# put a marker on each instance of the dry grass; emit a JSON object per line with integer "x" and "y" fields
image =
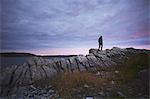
{"x": 67, "y": 83}
{"x": 130, "y": 69}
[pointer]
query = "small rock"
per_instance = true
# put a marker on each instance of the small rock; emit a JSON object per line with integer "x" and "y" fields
{"x": 121, "y": 94}
{"x": 51, "y": 91}
{"x": 35, "y": 92}
{"x": 101, "y": 93}
{"x": 112, "y": 82}
{"x": 31, "y": 86}
{"x": 45, "y": 95}
{"x": 98, "y": 73}
{"x": 116, "y": 71}
{"x": 89, "y": 97}
{"x": 86, "y": 86}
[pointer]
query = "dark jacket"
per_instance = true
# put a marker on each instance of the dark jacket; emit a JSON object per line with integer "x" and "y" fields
{"x": 100, "y": 40}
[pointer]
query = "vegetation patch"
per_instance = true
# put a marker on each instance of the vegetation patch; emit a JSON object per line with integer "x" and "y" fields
{"x": 71, "y": 83}
{"x": 124, "y": 83}
{"x": 132, "y": 66}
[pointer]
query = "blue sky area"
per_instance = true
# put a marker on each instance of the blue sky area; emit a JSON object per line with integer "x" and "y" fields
{"x": 73, "y": 26}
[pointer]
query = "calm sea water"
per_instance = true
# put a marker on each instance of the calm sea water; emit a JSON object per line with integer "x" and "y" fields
{"x": 11, "y": 61}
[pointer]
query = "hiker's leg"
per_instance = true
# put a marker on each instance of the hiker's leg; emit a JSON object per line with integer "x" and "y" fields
{"x": 101, "y": 47}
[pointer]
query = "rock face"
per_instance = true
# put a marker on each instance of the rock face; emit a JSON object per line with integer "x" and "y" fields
{"x": 15, "y": 77}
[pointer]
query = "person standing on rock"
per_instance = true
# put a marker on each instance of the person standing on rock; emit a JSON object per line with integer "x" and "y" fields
{"x": 100, "y": 41}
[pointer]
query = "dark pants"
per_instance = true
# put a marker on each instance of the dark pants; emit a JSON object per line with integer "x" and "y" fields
{"x": 100, "y": 47}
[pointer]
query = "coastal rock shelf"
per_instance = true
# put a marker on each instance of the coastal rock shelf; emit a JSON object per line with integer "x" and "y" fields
{"x": 15, "y": 77}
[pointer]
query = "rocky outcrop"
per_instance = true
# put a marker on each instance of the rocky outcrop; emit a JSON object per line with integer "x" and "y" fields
{"x": 15, "y": 77}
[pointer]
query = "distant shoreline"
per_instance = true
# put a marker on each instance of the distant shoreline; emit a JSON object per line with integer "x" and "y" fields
{"x": 17, "y": 54}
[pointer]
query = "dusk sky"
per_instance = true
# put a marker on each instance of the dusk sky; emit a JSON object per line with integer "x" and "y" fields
{"x": 56, "y": 27}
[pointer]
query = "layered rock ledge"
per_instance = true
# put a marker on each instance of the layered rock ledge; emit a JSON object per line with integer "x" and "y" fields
{"x": 15, "y": 77}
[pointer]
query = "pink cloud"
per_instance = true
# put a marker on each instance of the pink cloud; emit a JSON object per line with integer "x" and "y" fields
{"x": 140, "y": 35}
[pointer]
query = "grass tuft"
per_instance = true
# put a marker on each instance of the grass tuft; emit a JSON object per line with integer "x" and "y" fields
{"x": 67, "y": 83}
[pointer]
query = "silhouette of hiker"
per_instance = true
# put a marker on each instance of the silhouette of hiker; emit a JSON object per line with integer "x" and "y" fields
{"x": 100, "y": 40}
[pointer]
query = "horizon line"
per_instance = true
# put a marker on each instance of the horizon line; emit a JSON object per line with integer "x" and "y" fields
{"x": 69, "y": 51}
